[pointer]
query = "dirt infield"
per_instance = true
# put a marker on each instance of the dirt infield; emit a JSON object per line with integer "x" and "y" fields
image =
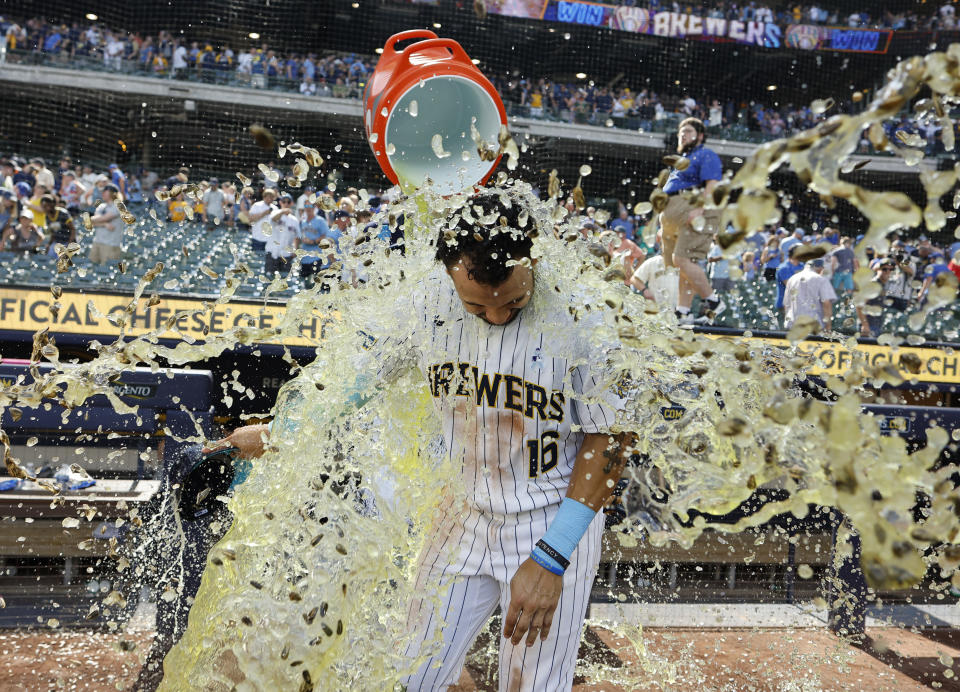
{"x": 674, "y": 659}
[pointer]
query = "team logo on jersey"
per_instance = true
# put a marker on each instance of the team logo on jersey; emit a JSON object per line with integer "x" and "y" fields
{"x": 496, "y": 390}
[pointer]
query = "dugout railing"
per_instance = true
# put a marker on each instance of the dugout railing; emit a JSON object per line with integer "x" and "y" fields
{"x": 763, "y": 564}
{"x": 58, "y": 556}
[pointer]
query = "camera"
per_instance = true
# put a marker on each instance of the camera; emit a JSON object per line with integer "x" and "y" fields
{"x": 900, "y": 257}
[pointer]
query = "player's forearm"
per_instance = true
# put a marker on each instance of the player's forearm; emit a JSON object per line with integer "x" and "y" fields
{"x": 597, "y": 469}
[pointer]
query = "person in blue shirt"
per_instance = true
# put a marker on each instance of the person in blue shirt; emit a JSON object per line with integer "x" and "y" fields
{"x": 623, "y": 223}
{"x": 795, "y": 239}
{"x": 313, "y": 229}
{"x": 119, "y": 179}
{"x": 53, "y": 42}
{"x": 686, "y": 240}
{"x": 938, "y": 265}
{"x": 784, "y": 272}
{"x": 770, "y": 258}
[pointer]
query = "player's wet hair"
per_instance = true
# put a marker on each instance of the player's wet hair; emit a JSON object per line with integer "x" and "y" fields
{"x": 486, "y": 249}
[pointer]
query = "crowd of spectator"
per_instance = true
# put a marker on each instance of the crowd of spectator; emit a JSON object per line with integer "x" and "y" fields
{"x": 344, "y": 75}
{"x": 799, "y": 282}
{"x": 650, "y": 111}
{"x": 166, "y": 55}
{"x": 44, "y": 205}
{"x": 926, "y": 17}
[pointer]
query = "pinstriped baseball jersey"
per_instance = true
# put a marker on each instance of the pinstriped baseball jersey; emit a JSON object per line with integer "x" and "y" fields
{"x": 507, "y": 408}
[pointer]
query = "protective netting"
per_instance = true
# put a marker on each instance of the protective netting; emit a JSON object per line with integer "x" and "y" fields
{"x": 319, "y": 554}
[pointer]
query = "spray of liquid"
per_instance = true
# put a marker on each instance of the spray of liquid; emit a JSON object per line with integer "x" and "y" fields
{"x": 311, "y": 582}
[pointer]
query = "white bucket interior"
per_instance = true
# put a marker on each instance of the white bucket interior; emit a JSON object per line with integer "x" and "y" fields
{"x": 445, "y": 106}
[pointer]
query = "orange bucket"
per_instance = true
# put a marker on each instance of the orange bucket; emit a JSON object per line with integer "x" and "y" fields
{"x": 423, "y": 107}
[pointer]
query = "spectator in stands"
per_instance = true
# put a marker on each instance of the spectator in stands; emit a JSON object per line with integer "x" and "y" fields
{"x": 8, "y": 210}
{"x": 809, "y": 294}
{"x": 259, "y": 216}
{"x": 954, "y": 264}
{"x": 627, "y": 252}
{"x": 342, "y": 221}
{"x": 206, "y": 62}
{"x": 244, "y": 203}
{"x": 113, "y": 52}
{"x": 7, "y": 171}
{"x": 313, "y": 230}
{"x": 88, "y": 177}
{"x": 871, "y": 317}
{"x": 784, "y": 272}
{"x": 657, "y": 282}
{"x": 224, "y": 64}
{"x": 718, "y": 268}
{"x": 43, "y": 175}
{"x": 936, "y": 266}
{"x": 844, "y": 262}
{"x": 623, "y": 223}
{"x": 108, "y": 236}
{"x": 179, "y": 178}
{"x": 794, "y": 239}
{"x": 134, "y": 194}
{"x": 25, "y": 236}
{"x": 179, "y": 61}
{"x": 39, "y": 217}
{"x": 307, "y": 86}
{"x": 283, "y": 242}
{"x": 748, "y": 265}
{"x": 71, "y": 192}
{"x": 118, "y": 179}
{"x": 770, "y": 258}
{"x": 684, "y": 243}
{"x": 229, "y": 191}
{"x": 213, "y": 205}
{"x": 60, "y": 227}
{"x": 897, "y": 287}
{"x": 245, "y": 66}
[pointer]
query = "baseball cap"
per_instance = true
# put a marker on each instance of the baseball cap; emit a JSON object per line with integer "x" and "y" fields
{"x": 112, "y": 166}
{"x": 816, "y": 263}
{"x": 341, "y": 214}
{"x": 113, "y": 188}
{"x": 214, "y": 181}
{"x": 286, "y": 195}
{"x": 23, "y": 188}
{"x": 26, "y": 213}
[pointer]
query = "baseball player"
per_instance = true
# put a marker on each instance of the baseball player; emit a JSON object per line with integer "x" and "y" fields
{"x": 521, "y": 408}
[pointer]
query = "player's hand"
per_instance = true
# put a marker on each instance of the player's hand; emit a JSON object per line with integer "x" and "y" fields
{"x": 249, "y": 441}
{"x": 534, "y": 593}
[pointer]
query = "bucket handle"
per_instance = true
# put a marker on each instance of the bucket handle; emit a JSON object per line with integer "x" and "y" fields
{"x": 406, "y": 35}
{"x": 447, "y": 43}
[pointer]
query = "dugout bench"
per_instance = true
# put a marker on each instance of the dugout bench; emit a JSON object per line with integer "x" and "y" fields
{"x": 49, "y": 571}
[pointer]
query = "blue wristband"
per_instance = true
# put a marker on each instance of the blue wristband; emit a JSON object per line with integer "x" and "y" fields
{"x": 546, "y": 562}
{"x": 564, "y": 533}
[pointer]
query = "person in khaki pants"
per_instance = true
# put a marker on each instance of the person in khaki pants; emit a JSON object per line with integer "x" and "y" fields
{"x": 108, "y": 237}
{"x": 685, "y": 240}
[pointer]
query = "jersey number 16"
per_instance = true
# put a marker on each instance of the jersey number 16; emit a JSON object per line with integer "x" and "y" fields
{"x": 543, "y": 453}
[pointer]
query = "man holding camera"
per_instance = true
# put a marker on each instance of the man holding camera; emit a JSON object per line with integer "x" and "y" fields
{"x": 897, "y": 288}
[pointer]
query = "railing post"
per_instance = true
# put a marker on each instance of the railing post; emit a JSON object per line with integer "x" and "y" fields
{"x": 846, "y": 584}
